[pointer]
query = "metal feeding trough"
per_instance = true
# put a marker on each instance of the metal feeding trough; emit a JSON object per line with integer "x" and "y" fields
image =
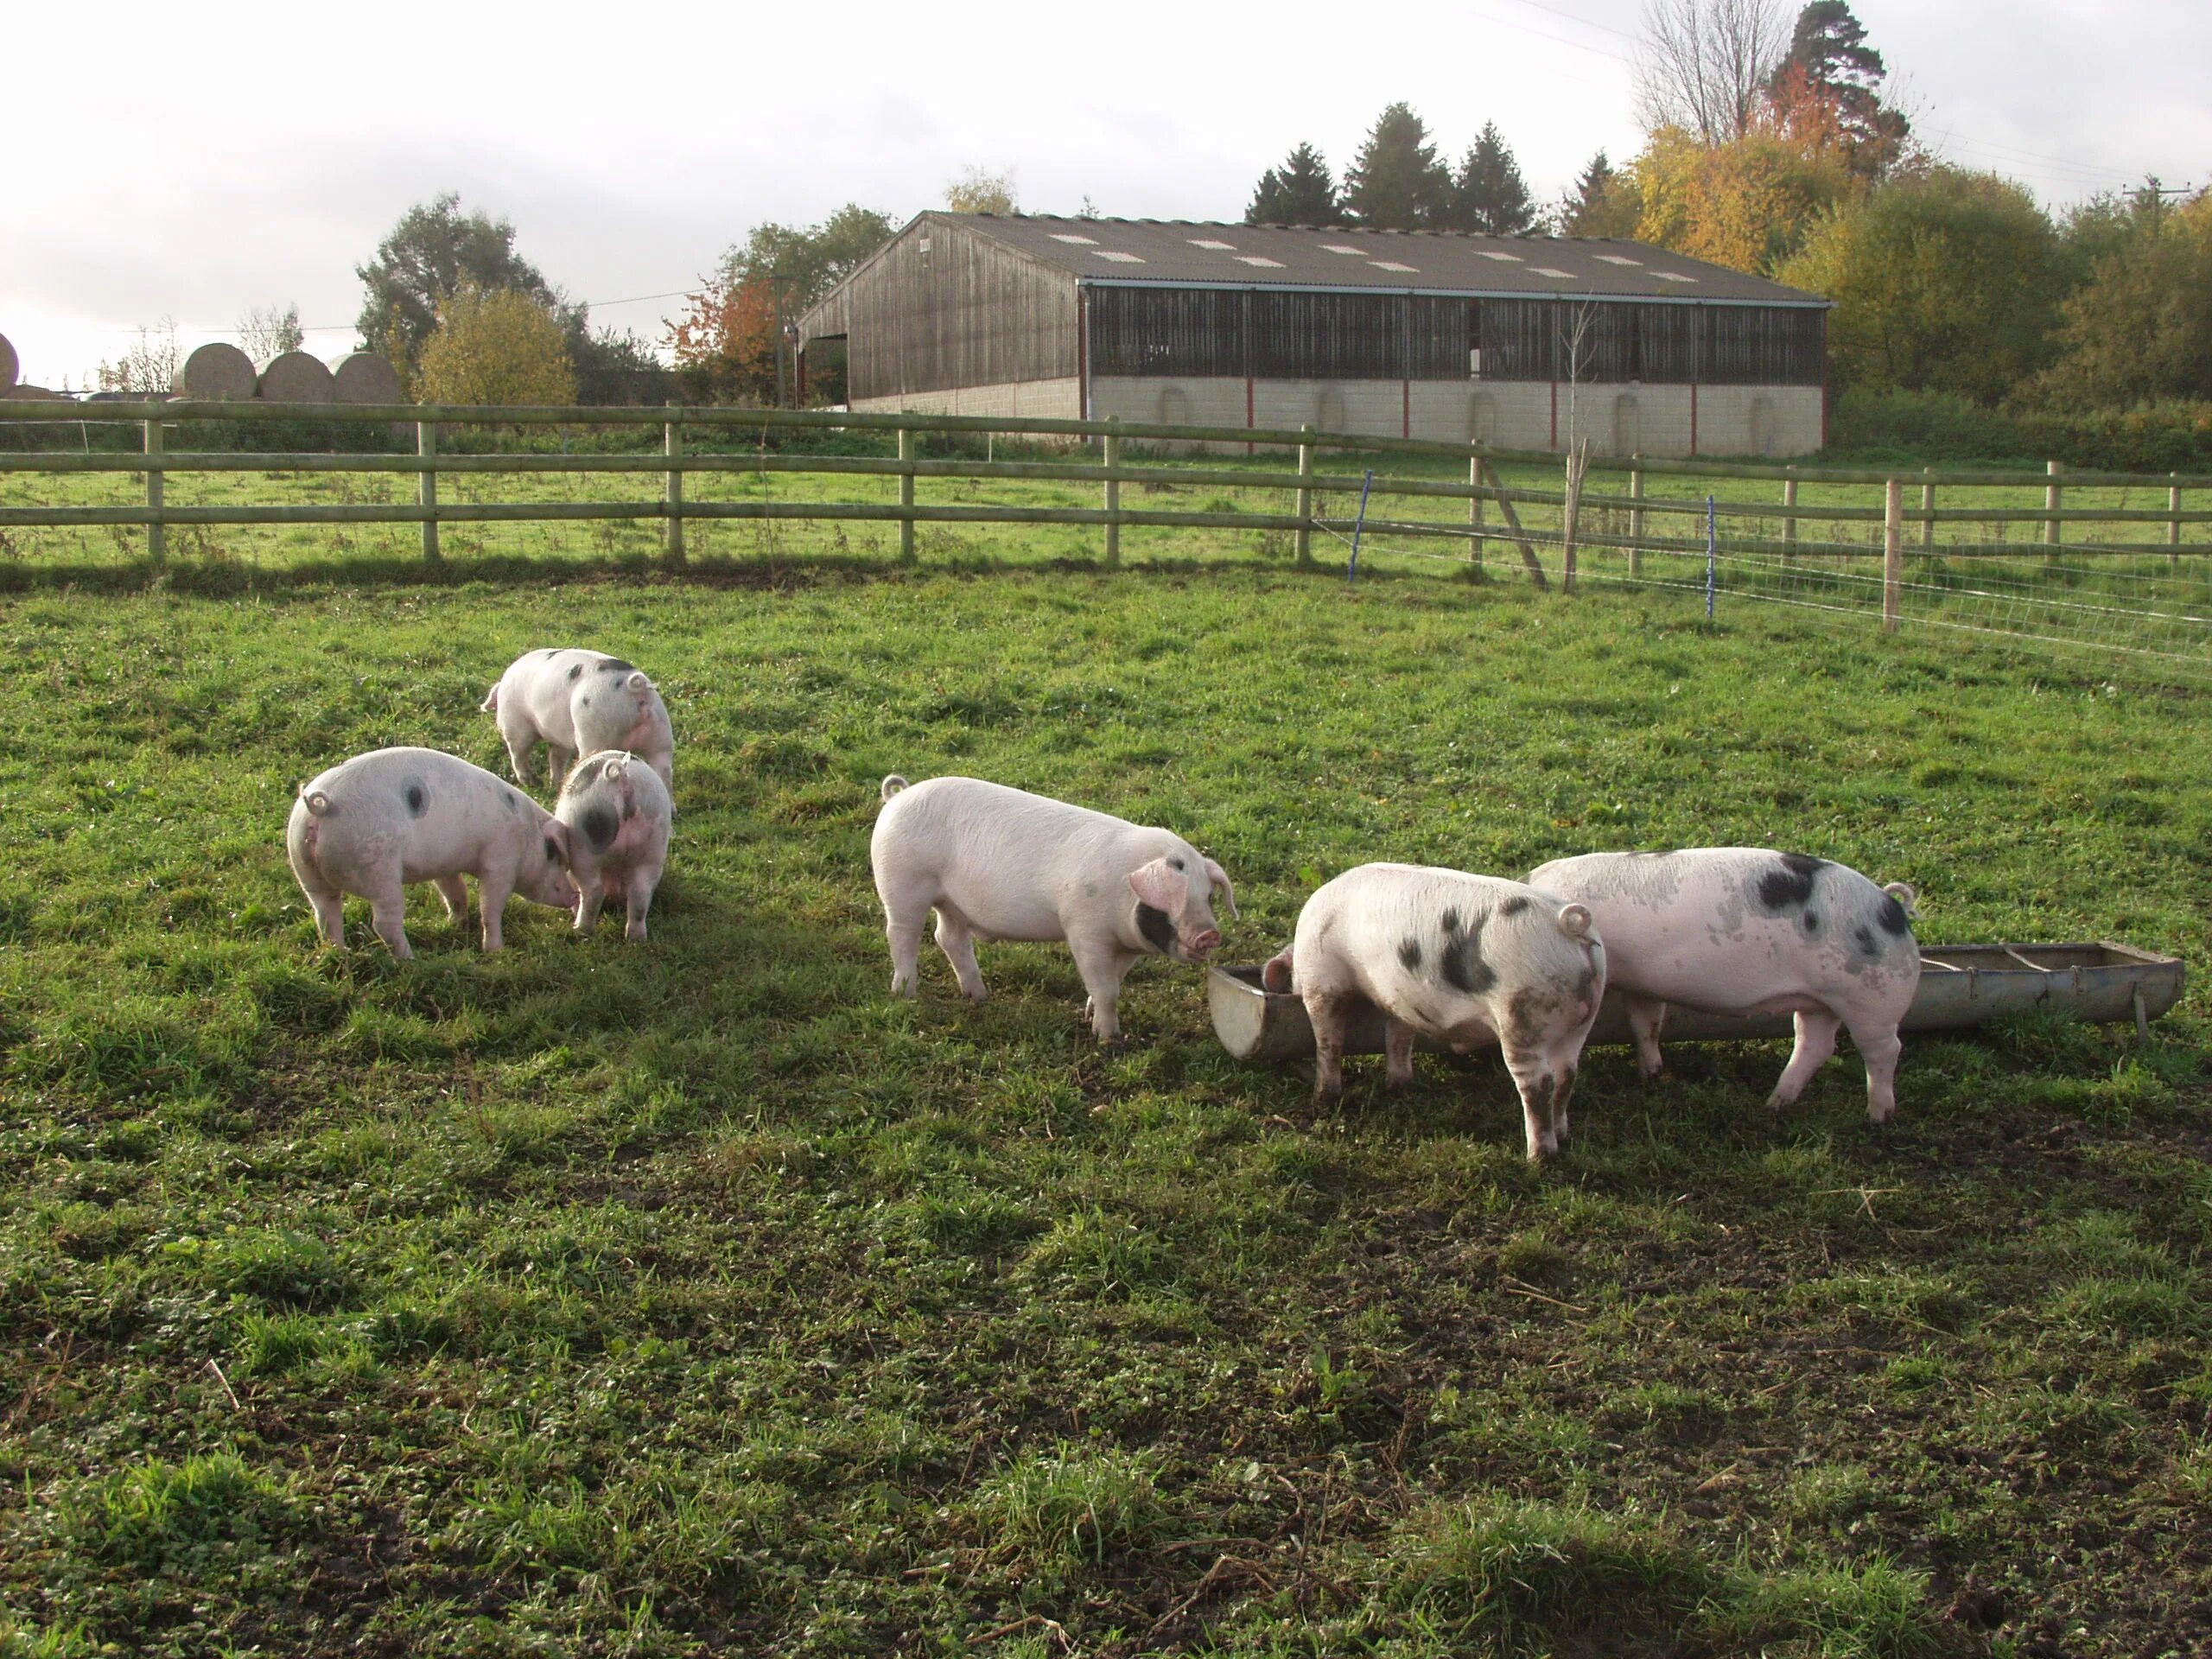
{"x": 1960, "y": 986}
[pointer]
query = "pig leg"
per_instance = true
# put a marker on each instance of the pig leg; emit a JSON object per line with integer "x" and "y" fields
{"x": 521, "y": 737}
{"x": 492, "y": 893}
{"x": 905, "y": 933}
{"x": 1539, "y": 1091}
{"x": 1645, "y": 1015}
{"x": 1397, "y": 1052}
{"x": 591, "y": 896}
{"x": 560, "y": 759}
{"x": 388, "y": 915}
{"x": 454, "y": 892}
{"x": 1102, "y": 966}
{"x": 959, "y": 947}
{"x": 1880, "y": 1045}
{"x": 1328, "y": 1014}
{"x": 640, "y": 897}
{"x": 1815, "y": 1042}
{"x": 329, "y": 917}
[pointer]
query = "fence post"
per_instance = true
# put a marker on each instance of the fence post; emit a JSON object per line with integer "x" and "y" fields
{"x": 1928, "y": 506}
{"x": 672, "y": 444}
{"x": 906, "y": 492}
{"x": 157, "y": 533}
{"x": 1789, "y": 516}
{"x": 1305, "y": 532}
{"x": 1893, "y": 552}
{"x": 1111, "y": 450}
{"x": 2051, "y": 496}
{"x": 1636, "y": 519}
{"x": 2173, "y": 516}
{"x": 1475, "y": 517}
{"x": 426, "y": 486}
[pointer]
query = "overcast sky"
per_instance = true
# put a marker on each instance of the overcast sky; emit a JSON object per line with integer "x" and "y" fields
{"x": 202, "y": 161}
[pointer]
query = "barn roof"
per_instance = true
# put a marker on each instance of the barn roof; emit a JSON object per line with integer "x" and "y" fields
{"x": 1186, "y": 253}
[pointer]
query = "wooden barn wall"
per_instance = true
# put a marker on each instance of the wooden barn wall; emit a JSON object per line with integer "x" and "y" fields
{"x": 966, "y": 312}
{"x": 1288, "y": 335}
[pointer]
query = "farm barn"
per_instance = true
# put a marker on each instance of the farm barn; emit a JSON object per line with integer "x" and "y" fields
{"x": 1525, "y": 343}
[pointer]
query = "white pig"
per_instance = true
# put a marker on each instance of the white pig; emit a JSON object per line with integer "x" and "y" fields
{"x": 612, "y": 819}
{"x": 999, "y": 863}
{"x": 372, "y": 825}
{"x": 1744, "y": 931}
{"x": 1464, "y": 960}
{"x": 577, "y": 702}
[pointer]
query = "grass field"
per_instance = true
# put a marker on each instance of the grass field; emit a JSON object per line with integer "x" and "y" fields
{"x": 698, "y": 1298}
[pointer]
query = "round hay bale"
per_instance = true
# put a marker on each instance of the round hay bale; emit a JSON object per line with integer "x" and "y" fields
{"x": 295, "y": 378}
{"x": 364, "y": 378}
{"x": 8, "y": 364}
{"x": 217, "y": 374}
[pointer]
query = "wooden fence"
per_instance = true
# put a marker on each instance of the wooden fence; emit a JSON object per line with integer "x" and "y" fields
{"x": 1628, "y": 519}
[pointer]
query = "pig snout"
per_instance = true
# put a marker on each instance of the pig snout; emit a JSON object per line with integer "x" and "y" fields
{"x": 1199, "y": 944}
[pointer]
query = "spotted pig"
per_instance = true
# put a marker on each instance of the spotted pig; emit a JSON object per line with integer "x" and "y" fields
{"x": 1746, "y": 930}
{"x": 1465, "y": 960}
{"x": 612, "y": 821}
{"x": 372, "y": 825}
{"x": 577, "y": 702}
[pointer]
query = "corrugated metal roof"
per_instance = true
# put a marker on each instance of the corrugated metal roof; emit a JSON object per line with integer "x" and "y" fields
{"x": 1186, "y": 253}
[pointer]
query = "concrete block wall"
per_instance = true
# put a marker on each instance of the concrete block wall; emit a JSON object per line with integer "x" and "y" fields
{"x": 1060, "y": 400}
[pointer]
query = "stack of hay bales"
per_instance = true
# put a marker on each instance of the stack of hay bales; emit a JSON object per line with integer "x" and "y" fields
{"x": 8, "y": 364}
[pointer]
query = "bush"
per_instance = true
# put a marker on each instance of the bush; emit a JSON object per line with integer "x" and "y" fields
{"x": 1925, "y": 426}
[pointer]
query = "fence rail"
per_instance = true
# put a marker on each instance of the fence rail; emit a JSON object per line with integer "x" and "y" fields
{"x": 1640, "y": 521}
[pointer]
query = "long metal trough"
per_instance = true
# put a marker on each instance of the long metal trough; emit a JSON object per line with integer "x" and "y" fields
{"x": 1960, "y": 986}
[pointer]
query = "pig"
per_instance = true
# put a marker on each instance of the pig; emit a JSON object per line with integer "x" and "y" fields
{"x": 372, "y": 825}
{"x": 578, "y": 702}
{"x": 1465, "y": 960}
{"x": 999, "y": 864}
{"x": 1746, "y": 930}
{"x": 613, "y": 820}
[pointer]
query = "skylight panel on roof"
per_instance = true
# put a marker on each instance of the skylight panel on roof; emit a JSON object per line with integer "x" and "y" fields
{"x": 1510, "y": 258}
{"x": 1617, "y": 259}
{"x": 1080, "y": 241}
{"x": 1258, "y": 259}
{"x": 1673, "y": 276}
{"x": 1208, "y": 242}
{"x": 1343, "y": 247}
{"x": 1391, "y": 264}
{"x": 1550, "y": 271}
{"x": 1120, "y": 259}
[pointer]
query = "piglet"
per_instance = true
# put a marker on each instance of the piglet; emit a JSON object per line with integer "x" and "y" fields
{"x": 1744, "y": 930}
{"x": 613, "y": 820}
{"x": 999, "y": 863}
{"x": 579, "y": 702}
{"x": 374, "y": 824}
{"x": 1464, "y": 960}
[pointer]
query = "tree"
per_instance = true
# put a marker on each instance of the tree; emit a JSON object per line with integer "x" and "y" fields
{"x": 1603, "y": 202}
{"x": 1942, "y": 283}
{"x": 808, "y": 263}
{"x": 1746, "y": 204}
{"x": 1395, "y": 182}
{"x": 266, "y": 332}
{"x": 497, "y": 346}
{"x": 725, "y": 345}
{"x": 1302, "y": 191}
{"x": 1489, "y": 195}
{"x": 977, "y": 191}
{"x": 433, "y": 253}
{"x": 1701, "y": 66}
{"x": 1830, "y": 75}
{"x": 2140, "y": 328}
{"x": 148, "y": 369}
{"x": 617, "y": 368}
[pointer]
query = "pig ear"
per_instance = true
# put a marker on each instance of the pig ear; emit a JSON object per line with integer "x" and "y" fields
{"x": 1219, "y": 878}
{"x": 556, "y": 840}
{"x": 1163, "y": 888}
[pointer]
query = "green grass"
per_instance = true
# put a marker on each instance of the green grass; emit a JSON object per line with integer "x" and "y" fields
{"x": 697, "y": 1297}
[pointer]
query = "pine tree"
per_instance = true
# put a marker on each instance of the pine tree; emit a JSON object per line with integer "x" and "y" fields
{"x": 1395, "y": 182}
{"x": 1490, "y": 194}
{"x": 1830, "y": 64}
{"x": 1300, "y": 192}
{"x": 1582, "y": 210}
